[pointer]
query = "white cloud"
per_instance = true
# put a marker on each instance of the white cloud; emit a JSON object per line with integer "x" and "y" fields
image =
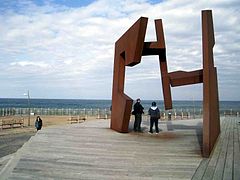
{"x": 57, "y": 47}
{"x": 29, "y": 63}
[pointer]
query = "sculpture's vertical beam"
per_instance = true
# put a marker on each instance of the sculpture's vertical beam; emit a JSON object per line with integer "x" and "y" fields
{"x": 119, "y": 101}
{"x": 163, "y": 65}
{"x": 211, "y": 122}
{"x": 128, "y": 51}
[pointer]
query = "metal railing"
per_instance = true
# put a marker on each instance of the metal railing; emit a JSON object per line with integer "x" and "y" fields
{"x": 105, "y": 113}
{"x": 99, "y": 113}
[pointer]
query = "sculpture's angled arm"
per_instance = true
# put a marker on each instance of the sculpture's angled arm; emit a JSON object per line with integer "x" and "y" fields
{"x": 163, "y": 65}
{"x": 158, "y": 48}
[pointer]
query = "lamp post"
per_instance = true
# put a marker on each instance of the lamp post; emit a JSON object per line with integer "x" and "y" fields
{"x": 28, "y": 95}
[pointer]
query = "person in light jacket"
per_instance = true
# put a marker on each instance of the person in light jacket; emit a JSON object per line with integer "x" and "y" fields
{"x": 154, "y": 113}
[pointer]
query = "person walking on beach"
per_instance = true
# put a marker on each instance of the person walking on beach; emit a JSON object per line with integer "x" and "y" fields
{"x": 154, "y": 116}
{"x": 138, "y": 111}
{"x": 38, "y": 123}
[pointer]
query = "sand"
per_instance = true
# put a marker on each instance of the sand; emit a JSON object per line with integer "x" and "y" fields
{"x": 11, "y": 139}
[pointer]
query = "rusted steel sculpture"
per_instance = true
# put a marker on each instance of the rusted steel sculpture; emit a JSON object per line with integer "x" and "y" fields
{"x": 128, "y": 52}
{"x": 211, "y": 121}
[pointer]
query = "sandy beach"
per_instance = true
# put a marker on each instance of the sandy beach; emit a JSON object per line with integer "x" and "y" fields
{"x": 11, "y": 139}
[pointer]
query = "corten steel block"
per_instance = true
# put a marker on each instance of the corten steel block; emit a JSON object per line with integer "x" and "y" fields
{"x": 211, "y": 121}
{"x": 128, "y": 52}
{"x": 180, "y": 78}
{"x": 207, "y": 76}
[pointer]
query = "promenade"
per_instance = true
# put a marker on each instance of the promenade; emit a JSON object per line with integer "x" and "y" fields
{"x": 91, "y": 150}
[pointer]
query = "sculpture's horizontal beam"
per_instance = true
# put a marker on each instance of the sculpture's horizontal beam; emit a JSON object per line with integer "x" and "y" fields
{"x": 152, "y": 48}
{"x": 180, "y": 78}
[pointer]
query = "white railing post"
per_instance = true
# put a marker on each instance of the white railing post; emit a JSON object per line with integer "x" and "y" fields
{"x": 85, "y": 114}
{"x": 193, "y": 113}
{"x": 98, "y": 115}
{"x": 106, "y": 114}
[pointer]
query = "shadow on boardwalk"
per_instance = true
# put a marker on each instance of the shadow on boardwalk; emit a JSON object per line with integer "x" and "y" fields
{"x": 175, "y": 126}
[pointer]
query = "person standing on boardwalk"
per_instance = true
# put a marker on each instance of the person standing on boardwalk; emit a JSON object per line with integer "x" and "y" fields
{"x": 138, "y": 111}
{"x": 154, "y": 116}
{"x": 38, "y": 123}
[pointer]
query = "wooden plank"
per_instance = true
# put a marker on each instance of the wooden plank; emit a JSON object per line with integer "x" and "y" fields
{"x": 213, "y": 159}
{"x": 218, "y": 173}
{"x": 225, "y": 160}
{"x": 207, "y": 166}
{"x": 198, "y": 175}
{"x": 236, "y": 150}
{"x": 228, "y": 168}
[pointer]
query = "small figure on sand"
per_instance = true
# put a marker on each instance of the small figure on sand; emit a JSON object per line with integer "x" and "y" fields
{"x": 154, "y": 116}
{"x": 138, "y": 111}
{"x": 38, "y": 123}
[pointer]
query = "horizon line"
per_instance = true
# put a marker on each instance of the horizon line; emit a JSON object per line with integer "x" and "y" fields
{"x": 106, "y": 99}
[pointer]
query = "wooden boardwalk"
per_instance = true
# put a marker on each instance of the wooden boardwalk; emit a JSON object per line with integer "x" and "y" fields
{"x": 91, "y": 150}
{"x": 224, "y": 162}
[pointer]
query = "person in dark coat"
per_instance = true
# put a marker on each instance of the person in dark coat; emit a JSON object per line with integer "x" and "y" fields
{"x": 154, "y": 116}
{"x": 138, "y": 111}
{"x": 38, "y": 123}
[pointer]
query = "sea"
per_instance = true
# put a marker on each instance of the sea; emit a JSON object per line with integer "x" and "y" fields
{"x": 103, "y": 104}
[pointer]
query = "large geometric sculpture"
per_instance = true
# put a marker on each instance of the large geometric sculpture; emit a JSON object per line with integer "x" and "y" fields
{"x": 128, "y": 52}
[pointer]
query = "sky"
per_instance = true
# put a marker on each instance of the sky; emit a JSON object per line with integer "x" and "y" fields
{"x": 64, "y": 49}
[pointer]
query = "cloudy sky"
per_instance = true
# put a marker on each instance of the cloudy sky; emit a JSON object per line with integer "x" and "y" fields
{"x": 65, "y": 48}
